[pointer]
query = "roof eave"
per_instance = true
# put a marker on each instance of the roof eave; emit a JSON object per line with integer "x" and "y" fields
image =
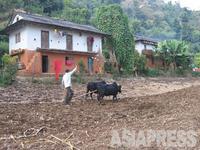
{"x": 10, "y": 27}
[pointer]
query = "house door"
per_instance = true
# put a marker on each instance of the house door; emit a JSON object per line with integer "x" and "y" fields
{"x": 90, "y": 65}
{"x": 45, "y": 64}
{"x": 45, "y": 39}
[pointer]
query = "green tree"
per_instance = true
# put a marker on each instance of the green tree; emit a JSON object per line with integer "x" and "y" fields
{"x": 139, "y": 63}
{"x": 197, "y": 60}
{"x": 186, "y": 29}
{"x": 4, "y": 47}
{"x": 72, "y": 12}
{"x": 9, "y": 5}
{"x": 177, "y": 28}
{"x": 32, "y": 6}
{"x": 43, "y": 6}
{"x": 163, "y": 53}
{"x": 112, "y": 20}
{"x": 170, "y": 51}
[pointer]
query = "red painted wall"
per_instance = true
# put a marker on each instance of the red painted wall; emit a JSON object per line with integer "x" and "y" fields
{"x": 33, "y": 62}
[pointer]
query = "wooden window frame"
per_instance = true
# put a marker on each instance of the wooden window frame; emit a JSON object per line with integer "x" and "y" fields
{"x": 90, "y": 43}
{"x": 18, "y": 37}
{"x": 42, "y": 46}
{"x": 69, "y": 42}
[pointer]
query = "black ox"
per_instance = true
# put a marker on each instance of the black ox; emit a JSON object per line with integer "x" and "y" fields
{"x": 108, "y": 90}
{"x": 92, "y": 88}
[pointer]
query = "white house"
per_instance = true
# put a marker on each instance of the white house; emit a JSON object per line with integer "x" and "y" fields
{"x": 47, "y": 45}
{"x": 146, "y": 47}
{"x": 144, "y": 43}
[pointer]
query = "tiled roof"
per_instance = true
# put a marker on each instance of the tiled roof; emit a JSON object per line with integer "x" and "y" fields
{"x": 55, "y": 22}
{"x": 141, "y": 38}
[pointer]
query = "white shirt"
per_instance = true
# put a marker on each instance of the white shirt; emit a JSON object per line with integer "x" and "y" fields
{"x": 66, "y": 80}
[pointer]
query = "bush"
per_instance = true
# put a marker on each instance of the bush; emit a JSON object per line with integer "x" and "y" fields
{"x": 81, "y": 66}
{"x": 8, "y": 74}
{"x": 183, "y": 62}
{"x": 197, "y": 60}
{"x": 180, "y": 72}
{"x": 108, "y": 67}
{"x": 7, "y": 59}
{"x": 79, "y": 78}
{"x": 115, "y": 75}
{"x": 152, "y": 72}
{"x": 8, "y": 71}
{"x": 4, "y": 46}
{"x": 106, "y": 54}
{"x": 139, "y": 63}
{"x": 195, "y": 74}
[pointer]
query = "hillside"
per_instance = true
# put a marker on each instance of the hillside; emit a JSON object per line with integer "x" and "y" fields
{"x": 151, "y": 18}
{"x": 162, "y": 20}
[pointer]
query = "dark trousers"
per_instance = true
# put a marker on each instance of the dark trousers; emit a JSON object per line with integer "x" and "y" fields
{"x": 68, "y": 95}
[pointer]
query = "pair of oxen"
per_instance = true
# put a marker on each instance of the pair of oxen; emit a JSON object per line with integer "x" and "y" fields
{"x": 102, "y": 89}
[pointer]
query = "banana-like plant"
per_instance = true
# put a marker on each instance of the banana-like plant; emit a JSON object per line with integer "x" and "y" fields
{"x": 170, "y": 50}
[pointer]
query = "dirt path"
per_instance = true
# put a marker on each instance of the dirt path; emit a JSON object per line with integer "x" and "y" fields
{"x": 88, "y": 125}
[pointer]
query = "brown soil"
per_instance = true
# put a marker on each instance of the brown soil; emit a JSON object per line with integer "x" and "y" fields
{"x": 32, "y": 115}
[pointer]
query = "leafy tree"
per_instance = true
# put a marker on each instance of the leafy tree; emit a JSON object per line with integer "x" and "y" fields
{"x": 135, "y": 26}
{"x": 81, "y": 66}
{"x": 177, "y": 28}
{"x": 186, "y": 30}
{"x": 111, "y": 19}
{"x": 4, "y": 44}
{"x": 32, "y": 6}
{"x": 196, "y": 41}
{"x": 163, "y": 53}
{"x": 43, "y": 6}
{"x": 50, "y": 6}
{"x": 72, "y": 12}
{"x": 4, "y": 47}
{"x": 197, "y": 60}
{"x": 8, "y": 5}
{"x": 171, "y": 51}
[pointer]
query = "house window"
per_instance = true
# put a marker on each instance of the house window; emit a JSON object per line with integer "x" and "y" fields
{"x": 90, "y": 41}
{"x": 17, "y": 38}
{"x": 145, "y": 47}
{"x": 69, "y": 42}
{"x": 45, "y": 39}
